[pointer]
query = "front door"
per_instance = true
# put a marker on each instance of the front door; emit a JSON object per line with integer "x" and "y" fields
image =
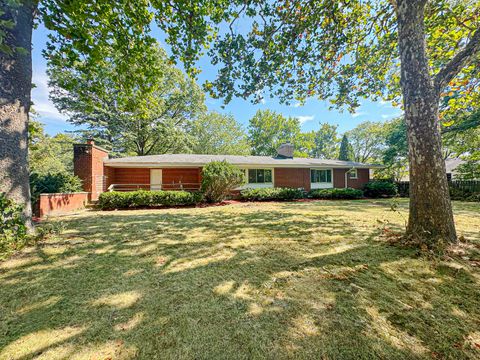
{"x": 155, "y": 179}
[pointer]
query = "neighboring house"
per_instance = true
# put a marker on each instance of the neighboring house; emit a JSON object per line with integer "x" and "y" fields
{"x": 451, "y": 166}
{"x": 184, "y": 171}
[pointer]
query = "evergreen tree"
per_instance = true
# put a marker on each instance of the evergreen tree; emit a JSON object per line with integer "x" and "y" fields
{"x": 346, "y": 150}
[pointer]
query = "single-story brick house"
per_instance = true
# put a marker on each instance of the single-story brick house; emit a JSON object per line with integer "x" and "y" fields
{"x": 184, "y": 171}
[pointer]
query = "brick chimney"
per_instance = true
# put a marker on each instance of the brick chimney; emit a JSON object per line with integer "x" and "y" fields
{"x": 88, "y": 166}
{"x": 285, "y": 151}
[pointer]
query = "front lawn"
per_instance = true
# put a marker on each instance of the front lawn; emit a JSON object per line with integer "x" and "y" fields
{"x": 309, "y": 280}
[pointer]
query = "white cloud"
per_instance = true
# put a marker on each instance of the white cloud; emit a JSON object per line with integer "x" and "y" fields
{"x": 41, "y": 103}
{"x": 304, "y": 118}
{"x": 389, "y": 116}
{"x": 296, "y": 105}
{"x": 358, "y": 113}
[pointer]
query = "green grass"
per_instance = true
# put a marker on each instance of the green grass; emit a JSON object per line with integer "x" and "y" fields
{"x": 309, "y": 280}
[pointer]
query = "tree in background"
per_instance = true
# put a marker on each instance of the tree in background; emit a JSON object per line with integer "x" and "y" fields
{"x": 268, "y": 129}
{"x": 368, "y": 141}
{"x": 326, "y": 142}
{"x": 346, "y": 152}
{"x": 132, "y": 110}
{"x": 215, "y": 133}
{"x": 49, "y": 154}
{"x": 395, "y": 154}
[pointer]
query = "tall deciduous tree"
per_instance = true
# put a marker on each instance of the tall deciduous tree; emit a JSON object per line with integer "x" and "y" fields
{"x": 346, "y": 152}
{"x": 215, "y": 133}
{"x": 326, "y": 142}
{"x": 368, "y": 141}
{"x": 134, "y": 110}
{"x": 337, "y": 50}
{"x": 268, "y": 129}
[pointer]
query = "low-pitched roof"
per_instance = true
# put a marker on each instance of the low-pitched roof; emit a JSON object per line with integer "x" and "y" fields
{"x": 196, "y": 160}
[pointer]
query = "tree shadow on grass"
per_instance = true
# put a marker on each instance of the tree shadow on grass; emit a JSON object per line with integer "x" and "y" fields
{"x": 239, "y": 284}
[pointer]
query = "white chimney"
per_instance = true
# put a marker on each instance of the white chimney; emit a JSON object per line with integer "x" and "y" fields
{"x": 285, "y": 151}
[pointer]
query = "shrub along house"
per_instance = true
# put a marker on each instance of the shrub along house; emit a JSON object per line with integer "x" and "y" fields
{"x": 184, "y": 171}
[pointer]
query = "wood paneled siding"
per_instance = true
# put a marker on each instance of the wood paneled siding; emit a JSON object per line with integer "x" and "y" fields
{"x": 292, "y": 178}
{"x": 171, "y": 178}
{"x": 363, "y": 176}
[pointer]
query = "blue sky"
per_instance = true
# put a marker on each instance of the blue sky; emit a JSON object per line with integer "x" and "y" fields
{"x": 310, "y": 114}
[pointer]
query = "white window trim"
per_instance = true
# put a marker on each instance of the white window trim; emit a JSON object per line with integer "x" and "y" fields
{"x": 351, "y": 171}
{"x": 258, "y": 185}
{"x": 321, "y": 185}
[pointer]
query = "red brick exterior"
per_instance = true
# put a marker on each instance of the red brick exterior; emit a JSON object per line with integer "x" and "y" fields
{"x": 188, "y": 177}
{"x": 58, "y": 203}
{"x": 88, "y": 166}
{"x": 363, "y": 176}
{"x": 292, "y": 178}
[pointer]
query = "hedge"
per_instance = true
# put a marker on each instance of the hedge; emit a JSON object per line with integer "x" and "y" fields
{"x": 378, "y": 189}
{"x": 138, "y": 199}
{"x": 267, "y": 194}
{"x": 347, "y": 193}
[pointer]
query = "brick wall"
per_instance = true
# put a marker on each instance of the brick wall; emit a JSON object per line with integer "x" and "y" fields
{"x": 58, "y": 203}
{"x": 339, "y": 178}
{"x": 292, "y": 178}
{"x": 88, "y": 166}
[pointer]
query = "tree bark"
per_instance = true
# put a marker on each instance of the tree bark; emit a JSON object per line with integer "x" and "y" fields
{"x": 431, "y": 217}
{"x": 15, "y": 89}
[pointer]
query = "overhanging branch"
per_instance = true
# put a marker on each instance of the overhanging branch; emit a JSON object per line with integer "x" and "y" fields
{"x": 459, "y": 61}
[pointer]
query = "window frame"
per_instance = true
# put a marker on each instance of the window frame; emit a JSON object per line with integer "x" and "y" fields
{"x": 321, "y": 185}
{"x": 350, "y": 174}
{"x": 259, "y": 184}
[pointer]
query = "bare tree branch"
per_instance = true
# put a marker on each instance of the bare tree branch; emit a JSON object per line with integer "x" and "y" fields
{"x": 459, "y": 61}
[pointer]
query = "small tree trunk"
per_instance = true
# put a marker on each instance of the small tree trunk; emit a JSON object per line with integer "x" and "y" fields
{"x": 15, "y": 89}
{"x": 431, "y": 217}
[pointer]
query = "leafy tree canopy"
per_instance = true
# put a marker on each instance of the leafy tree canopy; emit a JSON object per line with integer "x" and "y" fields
{"x": 215, "y": 133}
{"x": 49, "y": 154}
{"x": 268, "y": 129}
{"x": 136, "y": 110}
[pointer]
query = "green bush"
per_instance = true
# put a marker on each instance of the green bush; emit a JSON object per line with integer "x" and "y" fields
{"x": 266, "y": 194}
{"x": 347, "y": 193}
{"x": 137, "y": 199}
{"x": 13, "y": 232}
{"x": 54, "y": 183}
{"x": 219, "y": 178}
{"x": 463, "y": 194}
{"x": 377, "y": 189}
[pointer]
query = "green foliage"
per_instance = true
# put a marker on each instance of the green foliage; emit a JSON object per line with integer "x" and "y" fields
{"x": 13, "y": 232}
{"x": 346, "y": 152}
{"x": 215, "y": 133}
{"x": 53, "y": 183}
{"x": 368, "y": 141}
{"x": 132, "y": 109}
{"x": 268, "y": 129}
{"x": 378, "y": 189}
{"x": 49, "y": 154}
{"x": 141, "y": 199}
{"x": 395, "y": 155}
{"x": 469, "y": 170}
{"x": 347, "y": 193}
{"x": 326, "y": 142}
{"x": 219, "y": 178}
{"x": 267, "y": 194}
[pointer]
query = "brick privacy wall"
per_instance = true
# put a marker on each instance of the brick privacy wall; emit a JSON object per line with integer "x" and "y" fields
{"x": 88, "y": 166}
{"x": 292, "y": 178}
{"x": 339, "y": 178}
{"x": 58, "y": 203}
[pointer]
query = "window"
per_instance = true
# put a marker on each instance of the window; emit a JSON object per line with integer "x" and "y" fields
{"x": 320, "y": 176}
{"x": 259, "y": 176}
{"x": 353, "y": 174}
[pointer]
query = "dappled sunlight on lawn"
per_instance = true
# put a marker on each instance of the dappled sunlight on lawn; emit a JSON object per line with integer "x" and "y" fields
{"x": 248, "y": 280}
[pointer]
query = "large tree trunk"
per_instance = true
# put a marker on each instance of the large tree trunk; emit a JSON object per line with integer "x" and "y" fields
{"x": 15, "y": 89}
{"x": 431, "y": 217}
